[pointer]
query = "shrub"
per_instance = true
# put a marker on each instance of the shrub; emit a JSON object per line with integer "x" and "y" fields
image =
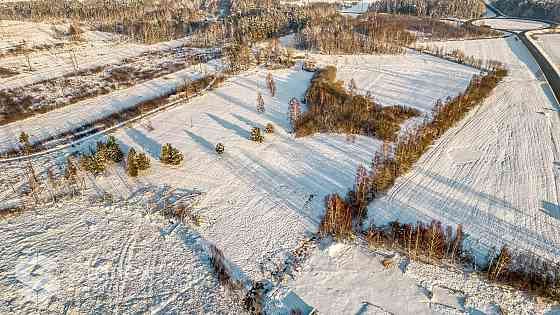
{"x": 256, "y": 135}
{"x": 220, "y": 148}
{"x": 269, "y": 128}
{"x": 92, "y": 164}
{"x": 170, "y": 155}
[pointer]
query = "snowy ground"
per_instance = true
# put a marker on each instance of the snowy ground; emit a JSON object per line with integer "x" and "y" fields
{"x": 550, "y": 44}
{"x": 78, "y": 114}
{"x": 97, "y": 50}
{"x": 262, "y": 199}
{"x": 414, "y": 80}
{"x": 496, "y": 172}
{"x": 511, "y": 24}
{"x": 349, "y": 279}
{"x": 105, "y": 259}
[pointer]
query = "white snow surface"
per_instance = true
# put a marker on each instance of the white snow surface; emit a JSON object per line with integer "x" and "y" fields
{"x": 98, "y": 49}
{"x": 496, "y": 172}
{"x": 550, "y": 43}
{"x": 105, "y": 259}
{"x": 515, "y": 25}
{"x": 413, "y": 80}
{"x": 67, "y": 118}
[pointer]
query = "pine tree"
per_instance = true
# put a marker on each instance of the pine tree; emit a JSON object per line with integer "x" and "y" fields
{"x": 24, "y": 142}
{"x": 256, "y": 135}
{"x": 131, "y": 165}
{"x": 269, "y": 128}
{"x": 170, "y": 155}
{"x": 260, "y": 103}
{"x": 142, "y": 161}
{"x": 220, "y": 148}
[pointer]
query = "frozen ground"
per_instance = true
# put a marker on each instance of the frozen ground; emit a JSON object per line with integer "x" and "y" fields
{"x": 261, "y": 199}
{"x": 550, "y": 43}
{"x": 90, "y": 258}
{"x": 414, "y": 80}
{"x": 350, "y": 279}
{"x": 97, "y": 50}
{"x": 512, "y": 24}
{"x": 496, "y": 172}
{"x": 70, "y": 117}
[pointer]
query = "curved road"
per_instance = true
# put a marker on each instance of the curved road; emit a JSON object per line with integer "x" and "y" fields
{"x": 552, "y": 76}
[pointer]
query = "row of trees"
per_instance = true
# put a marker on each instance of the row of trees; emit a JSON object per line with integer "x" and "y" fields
{"x": 467, "y": 9}
{"x": 337, "y": 34}
{"x": 547, "y": 9}
{"x": 143, "y": 20}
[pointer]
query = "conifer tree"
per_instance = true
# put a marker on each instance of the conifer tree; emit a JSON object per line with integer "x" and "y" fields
{"x": 260, "y": 103}
{"x": 131, "y": 166}
{"x": 142, "y": 161}
{"x": 220, "y": 148}
{"x": 256, "y": 135}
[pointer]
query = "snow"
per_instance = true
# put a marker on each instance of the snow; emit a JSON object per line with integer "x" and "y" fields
{"x": 496, "y": 171}
{"x": 353, "y": 280}
{"x": 70, "y": 117}
{"x": 514, "y": 25}
{"x": 85, "y": 258}
{"x": 549, "y": 43}
{"x": 263, "y": 199}
{"x": 99, "y": 49}
{"x": 414, "y": 80}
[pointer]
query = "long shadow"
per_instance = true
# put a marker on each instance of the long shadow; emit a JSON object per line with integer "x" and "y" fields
{"x": 551, "y": 209}
{"x": 152, "y": 147}
{"x": 248, "y": 122}
{"x": 226, "y": 124}
{"x": 201, "y": 141}
{"x": 495, "y": 229}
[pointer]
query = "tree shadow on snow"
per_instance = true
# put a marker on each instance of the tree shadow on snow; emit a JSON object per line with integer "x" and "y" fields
{"x": 228, "y": 125}
{"x": 147, "y": 144}
{"x": 200, "y": 141}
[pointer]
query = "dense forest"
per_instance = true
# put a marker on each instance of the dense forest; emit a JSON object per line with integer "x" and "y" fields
{"x": 549, "y": 10}
{"x": 432, "y": 8}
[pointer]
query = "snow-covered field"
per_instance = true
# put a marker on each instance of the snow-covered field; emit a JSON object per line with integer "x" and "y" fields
{"x": 91, "y": 258}
{"x": 347, "y": 279}
{"x": 515, "y": 25}
{"x": 496, "y": 172}
{"x": 97, "y": 50}
{"x": 70, "y": 117}
{"x": 550, "y": 44}
{"x": 414, "y": 80}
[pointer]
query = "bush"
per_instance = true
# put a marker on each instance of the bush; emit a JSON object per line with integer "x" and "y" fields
{"x": 269, "y": 128}
{"x": 220, "y": 148}
{"x": 92, "y": 164}
{"x": 256, "y": 135}
{"x": 170, "y": 155}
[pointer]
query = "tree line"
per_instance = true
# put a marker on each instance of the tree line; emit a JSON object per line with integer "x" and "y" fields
{"x": 466, "y": 9}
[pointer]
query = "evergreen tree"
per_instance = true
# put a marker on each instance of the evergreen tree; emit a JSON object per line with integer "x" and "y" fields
{"x": 220, "y": 148}
{"x": 131, "y": 165}
{"x": 269, "y": 128}
{"x": 170, "y": 155}
{"x": 24, "y": 142}
{"x": 142, "y": 161}
{"x": 260, "y": 103}
{"x": 256, "y": 135}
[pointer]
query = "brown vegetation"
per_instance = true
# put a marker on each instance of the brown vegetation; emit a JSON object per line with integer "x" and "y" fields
{"x": 434, "y": 8}
{"x": 331, "y": 108}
